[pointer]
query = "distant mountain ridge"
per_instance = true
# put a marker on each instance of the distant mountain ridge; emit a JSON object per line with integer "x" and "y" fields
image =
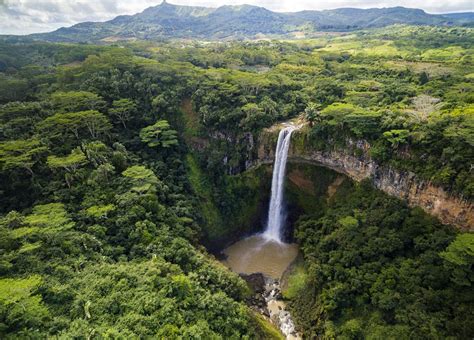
{"x": 245, "y": 21}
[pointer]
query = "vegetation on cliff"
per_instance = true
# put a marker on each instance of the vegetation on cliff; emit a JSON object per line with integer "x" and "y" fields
{"x": 376, "y": 268}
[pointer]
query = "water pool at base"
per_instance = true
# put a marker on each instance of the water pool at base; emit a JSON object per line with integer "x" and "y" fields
{"x": 256, "y": 254}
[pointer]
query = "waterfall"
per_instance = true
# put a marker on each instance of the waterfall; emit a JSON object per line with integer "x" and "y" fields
{"x": 276, "y": 212}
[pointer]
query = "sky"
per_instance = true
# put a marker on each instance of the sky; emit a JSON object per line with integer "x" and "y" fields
{"x": 32, "y": 16}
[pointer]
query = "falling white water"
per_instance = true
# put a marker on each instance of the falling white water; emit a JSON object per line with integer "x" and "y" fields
{"x": 276, "y": 212}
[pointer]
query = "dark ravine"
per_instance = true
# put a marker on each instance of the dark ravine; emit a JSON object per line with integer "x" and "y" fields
{"x": 447, "y": 207}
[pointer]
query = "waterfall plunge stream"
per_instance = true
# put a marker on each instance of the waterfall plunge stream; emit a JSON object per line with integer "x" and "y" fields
{"x": 276, "y": 211}
{"x": 266, "y": 253}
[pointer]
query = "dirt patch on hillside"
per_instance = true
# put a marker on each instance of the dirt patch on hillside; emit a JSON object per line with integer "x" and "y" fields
{"x": 191, "y": 126}
{"x": 298, "y": 178}
{"x": 332, "y": 188}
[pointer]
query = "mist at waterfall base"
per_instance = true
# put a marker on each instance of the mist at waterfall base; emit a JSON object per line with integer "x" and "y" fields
{"x": 266, "y": 252}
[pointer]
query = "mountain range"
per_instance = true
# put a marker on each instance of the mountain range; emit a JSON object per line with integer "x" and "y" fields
{"x": 167, "y": 21}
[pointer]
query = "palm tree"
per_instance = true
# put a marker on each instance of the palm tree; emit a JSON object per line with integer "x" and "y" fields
{"x": 312, "y": 114}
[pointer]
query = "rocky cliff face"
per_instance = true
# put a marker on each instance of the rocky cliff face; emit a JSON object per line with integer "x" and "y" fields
{"x": 355, "y": 162}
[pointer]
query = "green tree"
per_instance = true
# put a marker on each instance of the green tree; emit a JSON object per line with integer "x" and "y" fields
{"x": 74, "y": 101}
{"x": 45, "y": 219}
{"x": 12, "y": 89}
{"x": 123, "y": 110}
{"x": 71, "y": 163}
{"x": 102, "y": 174}
{"x": 17, "y": 119}
{"x": 335, "y": 114}
{"x": 100, "y": 211}
{"x": 20, "y": 154}
{"x": 142, "y": 179}
{"x": 396, "y": 137}
{"x": 20, "y": 305}
{"x": 51, "y": 217}
{"x": 79, "y": 125}
{"x": 423, "y": 78}
{"x": 459, "y": 257}
{"x": 254, "y": 117}
{"x": 159, "y": 135}
{"x": 312, "y": 114}
{"x": 96, "y": 152}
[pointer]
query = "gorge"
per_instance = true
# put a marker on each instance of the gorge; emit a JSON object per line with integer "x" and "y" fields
{"x": 258, "y": 254}
{"x": 354, "y": 160}
{"x": 267, "y": 254}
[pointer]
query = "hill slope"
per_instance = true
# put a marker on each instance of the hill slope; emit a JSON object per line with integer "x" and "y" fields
{"x": 245, "y": 21}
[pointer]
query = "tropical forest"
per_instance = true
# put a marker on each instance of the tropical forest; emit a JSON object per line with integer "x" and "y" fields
{"x": 237, "y": 173}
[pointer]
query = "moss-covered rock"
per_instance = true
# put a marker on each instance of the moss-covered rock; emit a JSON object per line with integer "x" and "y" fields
{"x": 232, "y": 208}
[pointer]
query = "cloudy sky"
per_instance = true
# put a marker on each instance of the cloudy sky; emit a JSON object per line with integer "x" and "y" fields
{"x": 29, "y": 16}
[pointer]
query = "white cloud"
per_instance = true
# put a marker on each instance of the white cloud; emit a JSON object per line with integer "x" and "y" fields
{"x": 28, "y": 16}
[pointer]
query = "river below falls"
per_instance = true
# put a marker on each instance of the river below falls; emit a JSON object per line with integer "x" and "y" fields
{"x": 256, "y": 254}
{"x": 262, "y": 259}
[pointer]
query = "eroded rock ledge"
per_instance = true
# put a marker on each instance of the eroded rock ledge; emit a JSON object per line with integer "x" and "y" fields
{"x": 449, "y": 208}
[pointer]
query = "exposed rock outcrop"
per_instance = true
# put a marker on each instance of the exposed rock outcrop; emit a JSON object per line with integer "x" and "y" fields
{"x": 267, "y": 300}
{"x": 355, "y": 162}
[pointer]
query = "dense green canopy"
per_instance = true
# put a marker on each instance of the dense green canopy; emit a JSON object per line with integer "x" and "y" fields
{"x": 117, "y": 162}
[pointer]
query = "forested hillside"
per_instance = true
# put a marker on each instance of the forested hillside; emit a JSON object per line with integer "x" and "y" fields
{"x": 99, "y": 228}
{"x": 375, "y": 268}
{"x": 118, "y": 162}
{"x": 169, "y": 21}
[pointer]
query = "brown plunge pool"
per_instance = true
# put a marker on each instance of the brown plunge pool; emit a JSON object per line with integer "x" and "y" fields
{"x": 256, "y": 254}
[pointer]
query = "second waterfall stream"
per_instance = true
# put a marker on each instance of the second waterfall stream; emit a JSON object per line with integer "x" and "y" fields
{"x": 276, "y": 211}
